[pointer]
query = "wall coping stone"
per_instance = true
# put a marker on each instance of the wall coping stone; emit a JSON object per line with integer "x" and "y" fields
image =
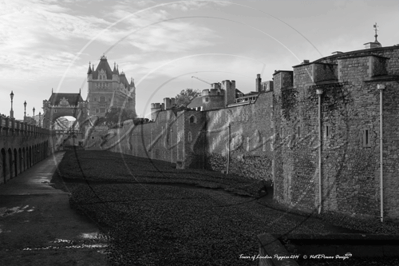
{"x": 362, "y": 51}
{"x": 361, "y": 55}
{"x": 382, "y": 78}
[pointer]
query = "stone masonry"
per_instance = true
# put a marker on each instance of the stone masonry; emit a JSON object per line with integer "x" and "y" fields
{"x": 273, "y": 134}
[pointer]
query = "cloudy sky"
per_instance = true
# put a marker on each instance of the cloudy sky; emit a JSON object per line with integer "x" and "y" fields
{"x": 48, "y": 44}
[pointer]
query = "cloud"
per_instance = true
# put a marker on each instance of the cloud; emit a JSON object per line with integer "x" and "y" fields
{"x": 155, "y": 29}
{"x": 173, "y": 37}
{"x": 193, "y": 5}
{"x": 37, "y": 35}
{"x": 33, "y": 37}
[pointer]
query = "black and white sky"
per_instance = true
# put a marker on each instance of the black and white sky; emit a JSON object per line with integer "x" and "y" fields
{"x": 48, "y": 44}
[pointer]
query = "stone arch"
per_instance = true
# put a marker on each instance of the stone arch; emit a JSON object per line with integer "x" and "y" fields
{"x": 45, "y": 148}
{"x": 15, "y": 162}
{"x": 29, "y": 156}
{"x": 31, "y": 159}
{"x": 3, "y": 172}
{"x": 20, "y": 160}
{"x": 37, "y": 151}
{"x": 24, "y": 158}
{"x": 34, "y": 154}
{"x": 41, "y": 151}
{"x": 64, "y": 104}
{"x": 10, "y": 162}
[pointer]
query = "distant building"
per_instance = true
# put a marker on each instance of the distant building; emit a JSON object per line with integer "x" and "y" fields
{"x": 108, "y": 88}
{"x": 63, "y": 104}
{"x": 225, "y": 94}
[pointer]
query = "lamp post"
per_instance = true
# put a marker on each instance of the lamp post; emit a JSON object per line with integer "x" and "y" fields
{"x": 33, "y": 120}
{"x": 381, "y": 88}
{"x": 24, "y": 110}
{"x": 40, "y": 119}
{"x": 319, "y": 92}
{"x": 11, "y": 111}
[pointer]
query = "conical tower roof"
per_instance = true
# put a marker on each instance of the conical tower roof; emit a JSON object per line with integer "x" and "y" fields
{"x": 115, "y": 71}
{"x": 103, "y": 65}
{"x": 89, "y": 71}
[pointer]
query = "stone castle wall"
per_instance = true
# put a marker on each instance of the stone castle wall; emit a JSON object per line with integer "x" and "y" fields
{"x": 277, "y": 137}
{"x": 200, "y": 139}
{"x": 249, "y": 141}
{"x": 350, "y": 114}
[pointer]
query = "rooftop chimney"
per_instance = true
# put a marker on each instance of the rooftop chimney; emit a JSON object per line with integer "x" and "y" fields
{"x": 258, "y": 83}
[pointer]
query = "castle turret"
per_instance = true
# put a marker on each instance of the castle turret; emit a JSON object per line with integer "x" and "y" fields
{"x": 167, "y": 103}
{"x": 267, "y": 85}
{"x": 115, "y": 73}
{"x": 258, "y": 82}
{"x": 155, "y": 109}
{"x": 89, "y": 71}
{"x": 230, "y": 91}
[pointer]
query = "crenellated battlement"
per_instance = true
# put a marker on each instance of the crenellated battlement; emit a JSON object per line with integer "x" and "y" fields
{"x": 169, "y": 103}
{"x": 155, "y": 106}
{"x": 10, "y": 126}
{"x": 205, "y": 92}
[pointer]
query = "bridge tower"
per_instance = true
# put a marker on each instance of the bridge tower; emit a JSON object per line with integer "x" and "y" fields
{"x": 109, "y": 88}
{"x": 64, "y": 104}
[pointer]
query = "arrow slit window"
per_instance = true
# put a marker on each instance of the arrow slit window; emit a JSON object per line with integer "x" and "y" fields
{"x": 366, "y": 137}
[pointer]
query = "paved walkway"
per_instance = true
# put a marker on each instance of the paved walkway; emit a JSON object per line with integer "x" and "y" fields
{"x": 36, "y": 180}
{"x": 37, "y": 226}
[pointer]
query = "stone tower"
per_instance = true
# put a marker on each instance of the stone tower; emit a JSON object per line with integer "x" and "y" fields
{"x": 108, "y": 88}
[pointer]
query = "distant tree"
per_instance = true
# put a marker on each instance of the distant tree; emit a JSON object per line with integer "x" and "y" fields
{"x": 186, "y": 96}
{"x": 117, "y": 115}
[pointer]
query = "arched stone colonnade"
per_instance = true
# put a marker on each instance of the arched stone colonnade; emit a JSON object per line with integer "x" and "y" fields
{"x": 21, "y": 146}
{"x": 15, "y": 161}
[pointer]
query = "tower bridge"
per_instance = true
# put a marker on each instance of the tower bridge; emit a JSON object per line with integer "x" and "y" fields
{"x": 24, "y": 143}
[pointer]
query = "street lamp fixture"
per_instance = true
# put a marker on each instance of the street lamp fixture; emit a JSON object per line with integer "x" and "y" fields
{"x": 12, "y": 111}
{"x": 40, "y": 119}
{"x": 34, "y": 111}
{"x": 24, "y": 110}
{"x": 380, "y": 86}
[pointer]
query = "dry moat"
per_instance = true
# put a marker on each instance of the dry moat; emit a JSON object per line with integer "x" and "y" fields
{"x": 155, "y": 214}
